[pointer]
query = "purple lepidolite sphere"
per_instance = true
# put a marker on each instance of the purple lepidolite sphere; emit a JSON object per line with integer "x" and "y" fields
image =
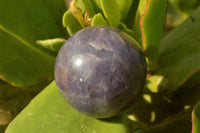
{"x": 100, "y": 71}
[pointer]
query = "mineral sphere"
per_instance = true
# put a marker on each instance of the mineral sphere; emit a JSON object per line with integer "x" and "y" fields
{"x": 100, "y": 71}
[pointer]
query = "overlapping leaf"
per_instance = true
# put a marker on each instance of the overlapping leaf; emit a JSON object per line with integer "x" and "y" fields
{"x": 22, "y": 61}
{"x": 130, "y": 16}
{"x": 21, "y": 65}
{"x": 98, "y": 20}
{"x": 91, "y": 7}
{"x": 124, "y": 7}
{"x": 70, "y": 22}
{"x": 14, "y": 99}
{"x": 152, "y": 26}
{"x": 111, "y": 12}
{"x": 179, "y": 54}
{"x": 48, "y": 112}
{"x": 52, "y": 44}
{"x": 33, "y": 20}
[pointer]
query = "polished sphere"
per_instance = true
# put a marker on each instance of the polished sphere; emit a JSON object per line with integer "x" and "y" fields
{"x": 100, "y": 71}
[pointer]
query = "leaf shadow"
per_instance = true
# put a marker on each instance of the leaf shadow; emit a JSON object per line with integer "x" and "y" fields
{"x": 156, "y": 107}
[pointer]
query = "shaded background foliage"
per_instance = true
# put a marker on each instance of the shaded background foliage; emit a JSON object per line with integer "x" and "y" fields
{"x": 26, "y": 68}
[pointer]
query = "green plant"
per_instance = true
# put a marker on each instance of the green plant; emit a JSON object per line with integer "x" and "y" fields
{"x": 172, "y": 85}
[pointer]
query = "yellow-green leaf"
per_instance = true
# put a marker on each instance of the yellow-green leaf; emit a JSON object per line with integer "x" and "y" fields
{"x": 111, "y": 12}
{"x": 49, "y": 112}
{"x": 33, "y": 20}
{"x": 70, "y": 22}
{"x": 21, "y": 65}
{"x": 152, "y": 26}
{"x": 98, "y": 20}
{"x": 52, "y": 44}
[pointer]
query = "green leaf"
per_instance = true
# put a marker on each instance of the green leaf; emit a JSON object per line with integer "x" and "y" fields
{"x": 186, "y": 6}
{"x": 98, "y": 20}
{"x": 91, "y": 7}
{"x": 70, "y": 22}
{"x": 14, "y": 99}
{"x": 179, "y": 54}
{"x": 196, "y": 118}
{"x": 22, "y": 65}
{"x": 123, "y": 27}
{"x": 33, "y": 20}
{"x": 130, "y": 17}
{"x": 79, "y": 4}
{"x": 111, "y": 12}
{"x": 49, "y": 112}
{"x": 152, "y": 25}
{"x": 137, "y": 30}
{"x": 154, "y": 82}
{"x": 179, "y": 11}
{"x": 124, "y": 7}
{"x": 136, "y": 27}
{"x": 52, "y": 44}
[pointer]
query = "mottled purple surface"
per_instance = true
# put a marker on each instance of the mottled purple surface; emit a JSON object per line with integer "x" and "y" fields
{"x": 100, "y": 71}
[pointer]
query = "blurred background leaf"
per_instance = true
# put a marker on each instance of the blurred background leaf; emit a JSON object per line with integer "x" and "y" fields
{"x": 179, "y": 54}
{"x": 22, "y": 65}
{"x": 178, "y": 11}
{"x": 180, "y": 123}
{"x": 33, "y": 20}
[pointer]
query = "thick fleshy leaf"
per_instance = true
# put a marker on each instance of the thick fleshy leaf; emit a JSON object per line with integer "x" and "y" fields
{"x": 124, "y": 7}
{"x": 196, "y": 119}
{"x": 179, "y": 54}
{"x": 21, "y": 65}
{"x": 70, "y": 22}
{"x": 130, "y": 17}
{"x": 14, "y": 99}
{"x": 91, "y": 7}
{"x": 111, "y": 12}
{"x": 49, "y": 112}
{"x": 136, "y": 27}
{"x": 123, "y": 27}
{"x": 33, "y": 20}
{"x": 152, "y": 25}
{"x": 98, "y": 20}
{"x": 52, "y": 44}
